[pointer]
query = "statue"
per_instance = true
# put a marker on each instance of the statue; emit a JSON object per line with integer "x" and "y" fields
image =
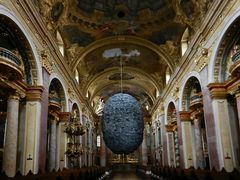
{"x": 235, "y": 49}
{"x": 74, "y": 113}
{"x": 53, "y": 94}
{"x": 99, "y": 106}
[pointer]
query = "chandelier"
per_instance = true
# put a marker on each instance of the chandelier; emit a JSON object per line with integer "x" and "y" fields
{"x": 74, "y": 129}
{"x": 74, "y": 150}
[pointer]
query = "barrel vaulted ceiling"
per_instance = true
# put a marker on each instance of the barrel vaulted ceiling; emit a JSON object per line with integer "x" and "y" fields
{"x": 143, "y": 36}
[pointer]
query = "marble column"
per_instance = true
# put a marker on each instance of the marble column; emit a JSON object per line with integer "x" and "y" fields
{"x": 53, "y": 144}
{"x": 164, "y": 143}
{"x": 62, "y": 145}
{"x": 158, "y": 144}
{"x": 177, "y": 153}
{"x": 44, "y": 119}
{"x": 90, "y": 147}
{"x": 10, "y": 146}
{"x": 210, "y": 130}
{"x": 103, "y": 156}
{"x": 187, "y": 138}
{"x": 198, "y": 143}
{"x": 171, "y": 149}
{"x": 144, "y": 150}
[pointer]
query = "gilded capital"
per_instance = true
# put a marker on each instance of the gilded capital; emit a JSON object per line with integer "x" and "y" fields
{"x": 185, "y": 116}
{"x": 34, "y": 93}
{"x": 14, "y": 96}
{"x": 237, "y": 95}
{"x": 217, "y": 90}
{"x": 169, "y": 128}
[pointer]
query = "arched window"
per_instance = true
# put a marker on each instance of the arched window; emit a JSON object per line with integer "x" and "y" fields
{"x": 60, "y": 43}
{"x": 167, "y": 75}
{"x": 76, "y": 75}
{"x": 157, "y": 93}
{"x": 184, "y": 41}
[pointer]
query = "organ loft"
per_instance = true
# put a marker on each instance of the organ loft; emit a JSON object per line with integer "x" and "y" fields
{"x": 113, "y": 89}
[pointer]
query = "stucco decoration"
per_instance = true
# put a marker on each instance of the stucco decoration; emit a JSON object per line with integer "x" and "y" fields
{"x": 122, "y": 124}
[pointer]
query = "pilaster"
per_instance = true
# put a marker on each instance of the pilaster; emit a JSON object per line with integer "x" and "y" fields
{"x": 32, "y": 141}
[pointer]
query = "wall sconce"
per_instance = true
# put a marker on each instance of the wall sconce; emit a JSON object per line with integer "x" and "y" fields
{"x": 227, "y": 156}
{"x": 189, "y": 158}
{"x": 29, "y": 157}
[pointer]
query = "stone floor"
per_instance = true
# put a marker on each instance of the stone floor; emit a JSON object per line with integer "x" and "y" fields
{"x": 125, "y": 172}
{"x": 125, "y": 176}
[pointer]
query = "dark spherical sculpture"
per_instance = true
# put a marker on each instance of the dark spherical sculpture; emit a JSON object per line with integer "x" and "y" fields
{"x": 122, "y": 124}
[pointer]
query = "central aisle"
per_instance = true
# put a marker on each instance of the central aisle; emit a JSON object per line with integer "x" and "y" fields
{"x": 125, "y": 172}
{"x": 125, "y": 176}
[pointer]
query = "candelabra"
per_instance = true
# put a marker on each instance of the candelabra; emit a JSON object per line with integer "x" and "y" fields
{"x": 74, "y": 129}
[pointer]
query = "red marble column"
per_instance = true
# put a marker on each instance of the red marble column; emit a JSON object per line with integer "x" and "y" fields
{"x": 210, "y": 129}
{"x": 198, "y": 144}
{"x": 44, "y": 121}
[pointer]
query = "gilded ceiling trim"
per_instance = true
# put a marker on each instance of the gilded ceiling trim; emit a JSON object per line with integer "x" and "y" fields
{"x": 123, "y": 39}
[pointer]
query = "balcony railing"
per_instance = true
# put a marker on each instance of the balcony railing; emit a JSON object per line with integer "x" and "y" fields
{"x": 236, "y": 56}
{"x": 9, "y": 55}
{"x": 11, "y": 64}
{"x": 55, "y": 100}
{"x": 196, "y": 101}
{"x": 235, "y": 67}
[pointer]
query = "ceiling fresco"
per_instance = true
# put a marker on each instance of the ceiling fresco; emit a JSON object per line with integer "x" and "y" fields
{"x": 160, "y": 23}
{"x": 143, "y": 58}
{"x": 109, "y": 6}
{"x": 73, "y": 35}
{"x": 119, "y": 76}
